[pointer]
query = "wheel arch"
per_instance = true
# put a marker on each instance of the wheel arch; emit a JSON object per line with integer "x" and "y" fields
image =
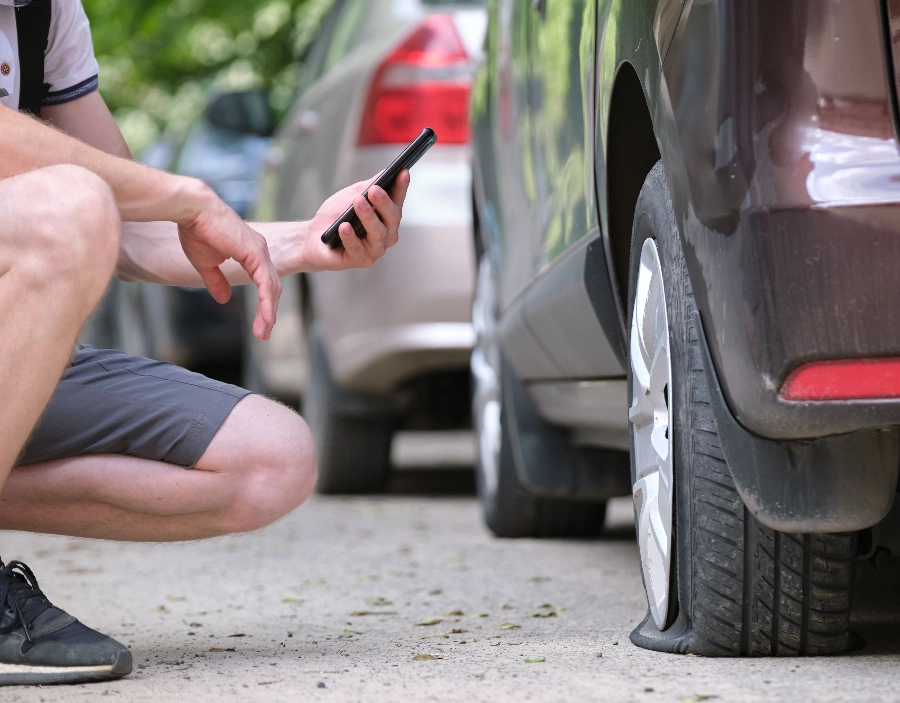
{"x": 631, "y": 153}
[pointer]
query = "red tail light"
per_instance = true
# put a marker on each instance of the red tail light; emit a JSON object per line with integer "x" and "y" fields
{"x": 845, "y": 379}
{"x": 424, "y": 82}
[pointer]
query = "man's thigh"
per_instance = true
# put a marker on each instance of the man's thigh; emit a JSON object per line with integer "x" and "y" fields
{"x": 108, "y": 402}
{"x": 59, "y": 234}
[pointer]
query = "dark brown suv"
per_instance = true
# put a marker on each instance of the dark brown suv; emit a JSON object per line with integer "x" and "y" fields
{"x": 689, "y": 233}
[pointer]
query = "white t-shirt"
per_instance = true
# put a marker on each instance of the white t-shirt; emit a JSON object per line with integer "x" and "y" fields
{"x": 69, "y": 64}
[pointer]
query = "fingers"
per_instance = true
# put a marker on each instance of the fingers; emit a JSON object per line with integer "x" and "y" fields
{"x": 269, "y": 288}
{"x": 354, "y": 249}
{"x": 388, "y": 210}
{"x": 368, "y": 213}
{"x": 259, "y": 266}
{"x": 216, "y": 284}
{"x": 400, "y": 187}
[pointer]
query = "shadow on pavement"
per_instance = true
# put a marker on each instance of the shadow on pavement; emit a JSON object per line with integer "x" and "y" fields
{"x": 876, "y": 606}
{"x": 432, "y": 482}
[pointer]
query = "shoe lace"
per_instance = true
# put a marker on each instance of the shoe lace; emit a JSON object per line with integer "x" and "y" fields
{"x": 21, "y": 598}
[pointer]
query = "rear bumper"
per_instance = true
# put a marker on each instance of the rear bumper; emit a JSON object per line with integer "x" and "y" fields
{"x": 796, "y": 286}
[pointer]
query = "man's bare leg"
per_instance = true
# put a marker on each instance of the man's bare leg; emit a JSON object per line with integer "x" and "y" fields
{"x": 258, "y": 467}
{"x": 59, "y": 242}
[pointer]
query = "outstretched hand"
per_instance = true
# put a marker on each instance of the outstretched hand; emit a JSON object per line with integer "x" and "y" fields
{"x": 217, "y": 234}
{"x": 380, "y": 215}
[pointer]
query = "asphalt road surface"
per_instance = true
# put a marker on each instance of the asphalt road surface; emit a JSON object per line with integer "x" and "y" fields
{"x": 407, "y": 597}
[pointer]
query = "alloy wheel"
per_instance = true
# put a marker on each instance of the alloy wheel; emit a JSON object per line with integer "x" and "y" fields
{"x": 651, "y": 372}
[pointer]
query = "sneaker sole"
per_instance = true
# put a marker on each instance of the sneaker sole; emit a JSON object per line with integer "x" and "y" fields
{"x": 28, "y": 674}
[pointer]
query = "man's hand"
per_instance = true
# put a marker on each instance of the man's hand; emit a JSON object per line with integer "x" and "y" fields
{"x": 381, "y": 219}
{"x": 210, "y": 234}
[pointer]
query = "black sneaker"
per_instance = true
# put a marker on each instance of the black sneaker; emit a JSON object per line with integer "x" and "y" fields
{"x": 41, "y": 644}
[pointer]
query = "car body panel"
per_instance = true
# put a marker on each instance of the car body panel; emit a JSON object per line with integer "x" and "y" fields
{"x": 788, "y": 203}
{"x": 539, "y": 215}
{"x": 561, "y": 95}
{"x": 593, "y": 409}
{"x": 551, "y": 331}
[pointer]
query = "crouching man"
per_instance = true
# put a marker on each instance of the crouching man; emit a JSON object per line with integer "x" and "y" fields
{"x": 98, "y": 443}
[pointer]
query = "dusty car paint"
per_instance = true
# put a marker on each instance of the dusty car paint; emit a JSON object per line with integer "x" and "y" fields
{"x": 788, "y": 201}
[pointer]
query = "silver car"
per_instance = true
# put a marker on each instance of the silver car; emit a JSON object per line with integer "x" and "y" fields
{"x": 375, "y": 350}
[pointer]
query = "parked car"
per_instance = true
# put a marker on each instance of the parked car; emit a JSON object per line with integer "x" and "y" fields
{"x": 387, "y": 347}
{"x": 225, "y": 149}
{"x": 688, "y": 220}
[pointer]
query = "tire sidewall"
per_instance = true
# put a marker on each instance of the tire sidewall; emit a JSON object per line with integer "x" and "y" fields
{"x": 655, "y": 219}
{"x": 503, "y": 506}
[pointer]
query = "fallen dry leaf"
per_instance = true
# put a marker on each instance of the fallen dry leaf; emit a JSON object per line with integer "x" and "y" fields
{"x": 424, "y": 657}
{"x": 238, "y": 634}
{"x": 429, "y": 621}
{"x": 221, "y": 649}
{"x": 361, "y": 613}
{"x": 510, "y": 626}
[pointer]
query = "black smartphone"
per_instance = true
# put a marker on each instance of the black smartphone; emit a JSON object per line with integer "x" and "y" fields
{"x": 410, "y": 156}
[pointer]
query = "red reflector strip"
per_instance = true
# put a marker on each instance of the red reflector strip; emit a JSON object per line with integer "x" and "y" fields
{"x": 845, "y": 379}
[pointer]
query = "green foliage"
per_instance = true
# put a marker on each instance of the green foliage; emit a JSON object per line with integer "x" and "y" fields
{"x": 160, "y": 58}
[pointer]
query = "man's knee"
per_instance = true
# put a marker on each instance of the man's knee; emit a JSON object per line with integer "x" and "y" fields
{"x": 75, "y": 228}
{"x": 280, "y": 476}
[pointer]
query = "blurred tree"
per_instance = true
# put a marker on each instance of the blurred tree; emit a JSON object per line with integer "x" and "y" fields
{"x": 159, "y": 58}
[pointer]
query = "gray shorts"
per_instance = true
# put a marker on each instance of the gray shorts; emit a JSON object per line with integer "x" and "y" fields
{"x": 108, "y": 402}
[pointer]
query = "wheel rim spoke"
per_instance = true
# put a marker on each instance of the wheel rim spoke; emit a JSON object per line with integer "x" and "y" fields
{"x": 650, "y": 414}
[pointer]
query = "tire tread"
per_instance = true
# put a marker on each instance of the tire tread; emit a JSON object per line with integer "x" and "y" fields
{"x": 747, "y": 589}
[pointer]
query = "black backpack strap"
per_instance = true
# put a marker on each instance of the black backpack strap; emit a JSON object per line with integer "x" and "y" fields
{"x": 33, "y": 31}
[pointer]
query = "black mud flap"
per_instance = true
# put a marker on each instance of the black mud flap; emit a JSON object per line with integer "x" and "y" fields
{"x": 814, "y": 485}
